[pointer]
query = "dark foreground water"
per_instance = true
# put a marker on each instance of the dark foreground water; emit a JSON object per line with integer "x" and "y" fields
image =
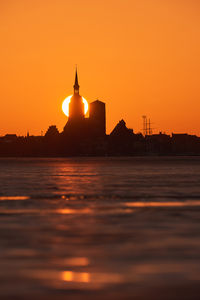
{"x": 100, "y": 228}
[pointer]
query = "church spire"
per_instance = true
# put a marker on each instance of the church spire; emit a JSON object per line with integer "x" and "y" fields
{"x": 76, "y": 85}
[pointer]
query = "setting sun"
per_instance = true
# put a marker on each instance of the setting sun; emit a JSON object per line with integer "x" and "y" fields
{"x": 65, "y": 105}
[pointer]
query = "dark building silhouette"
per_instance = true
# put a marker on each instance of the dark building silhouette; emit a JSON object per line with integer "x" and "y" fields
{"x": 78, "y": 127}
{"x": 185, "y": 144}
{"x": 51, "y": 132}
{"x": 121, "y": 140}
{"x": 76, "y": 105}
{"x": 86, "y": 136}
{"x": 121, "y": 130}
{"x": 158, "y": 143}
{"x": 97, "y": 117}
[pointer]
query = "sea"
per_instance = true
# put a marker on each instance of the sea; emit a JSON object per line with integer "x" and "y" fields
{"x": 100, "y": 228}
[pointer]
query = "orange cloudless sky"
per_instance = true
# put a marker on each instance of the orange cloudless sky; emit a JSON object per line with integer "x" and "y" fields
{"x": 141, "y": 57}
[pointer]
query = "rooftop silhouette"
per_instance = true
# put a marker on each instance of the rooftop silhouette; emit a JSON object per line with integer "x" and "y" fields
{"x": 87, "y": 136}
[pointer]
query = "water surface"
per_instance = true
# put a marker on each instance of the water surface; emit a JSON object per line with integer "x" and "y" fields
{"x": 103, "y": 228}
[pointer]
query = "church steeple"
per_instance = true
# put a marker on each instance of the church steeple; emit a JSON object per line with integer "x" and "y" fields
{"x": 76, "y": 85}
{"x": 76, "y": 105}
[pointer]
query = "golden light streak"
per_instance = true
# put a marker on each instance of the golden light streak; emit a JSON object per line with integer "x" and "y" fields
{"x": 163, "y": 204}
{"x": 67, "y": 211}
{"x": 14, "y": 198}
{"x": 75, "y": 276}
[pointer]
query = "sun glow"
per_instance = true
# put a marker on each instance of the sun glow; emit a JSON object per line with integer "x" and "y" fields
{"x": 65, "y": 105}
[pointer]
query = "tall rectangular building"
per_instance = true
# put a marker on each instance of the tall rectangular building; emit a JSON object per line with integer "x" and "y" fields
{"x": 97, "y": 118}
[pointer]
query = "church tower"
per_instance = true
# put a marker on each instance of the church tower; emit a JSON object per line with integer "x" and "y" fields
{"x": 76, "y": 105}
{"x": 79, "y": 127}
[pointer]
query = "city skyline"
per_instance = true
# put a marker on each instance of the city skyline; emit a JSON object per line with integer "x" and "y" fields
{"x": 135, "y": 66}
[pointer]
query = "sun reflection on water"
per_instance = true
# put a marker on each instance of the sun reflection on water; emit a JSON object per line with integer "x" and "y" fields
{"x": 66, "y": 211}
{"x": 162, "y": 204}
{"x": 14, "y": 198}
{"x": 75, "y": 276}
{"x": 93, "y": 278}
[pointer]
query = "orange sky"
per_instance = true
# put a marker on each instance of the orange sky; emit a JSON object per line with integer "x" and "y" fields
{"x": 141, "y": 57}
